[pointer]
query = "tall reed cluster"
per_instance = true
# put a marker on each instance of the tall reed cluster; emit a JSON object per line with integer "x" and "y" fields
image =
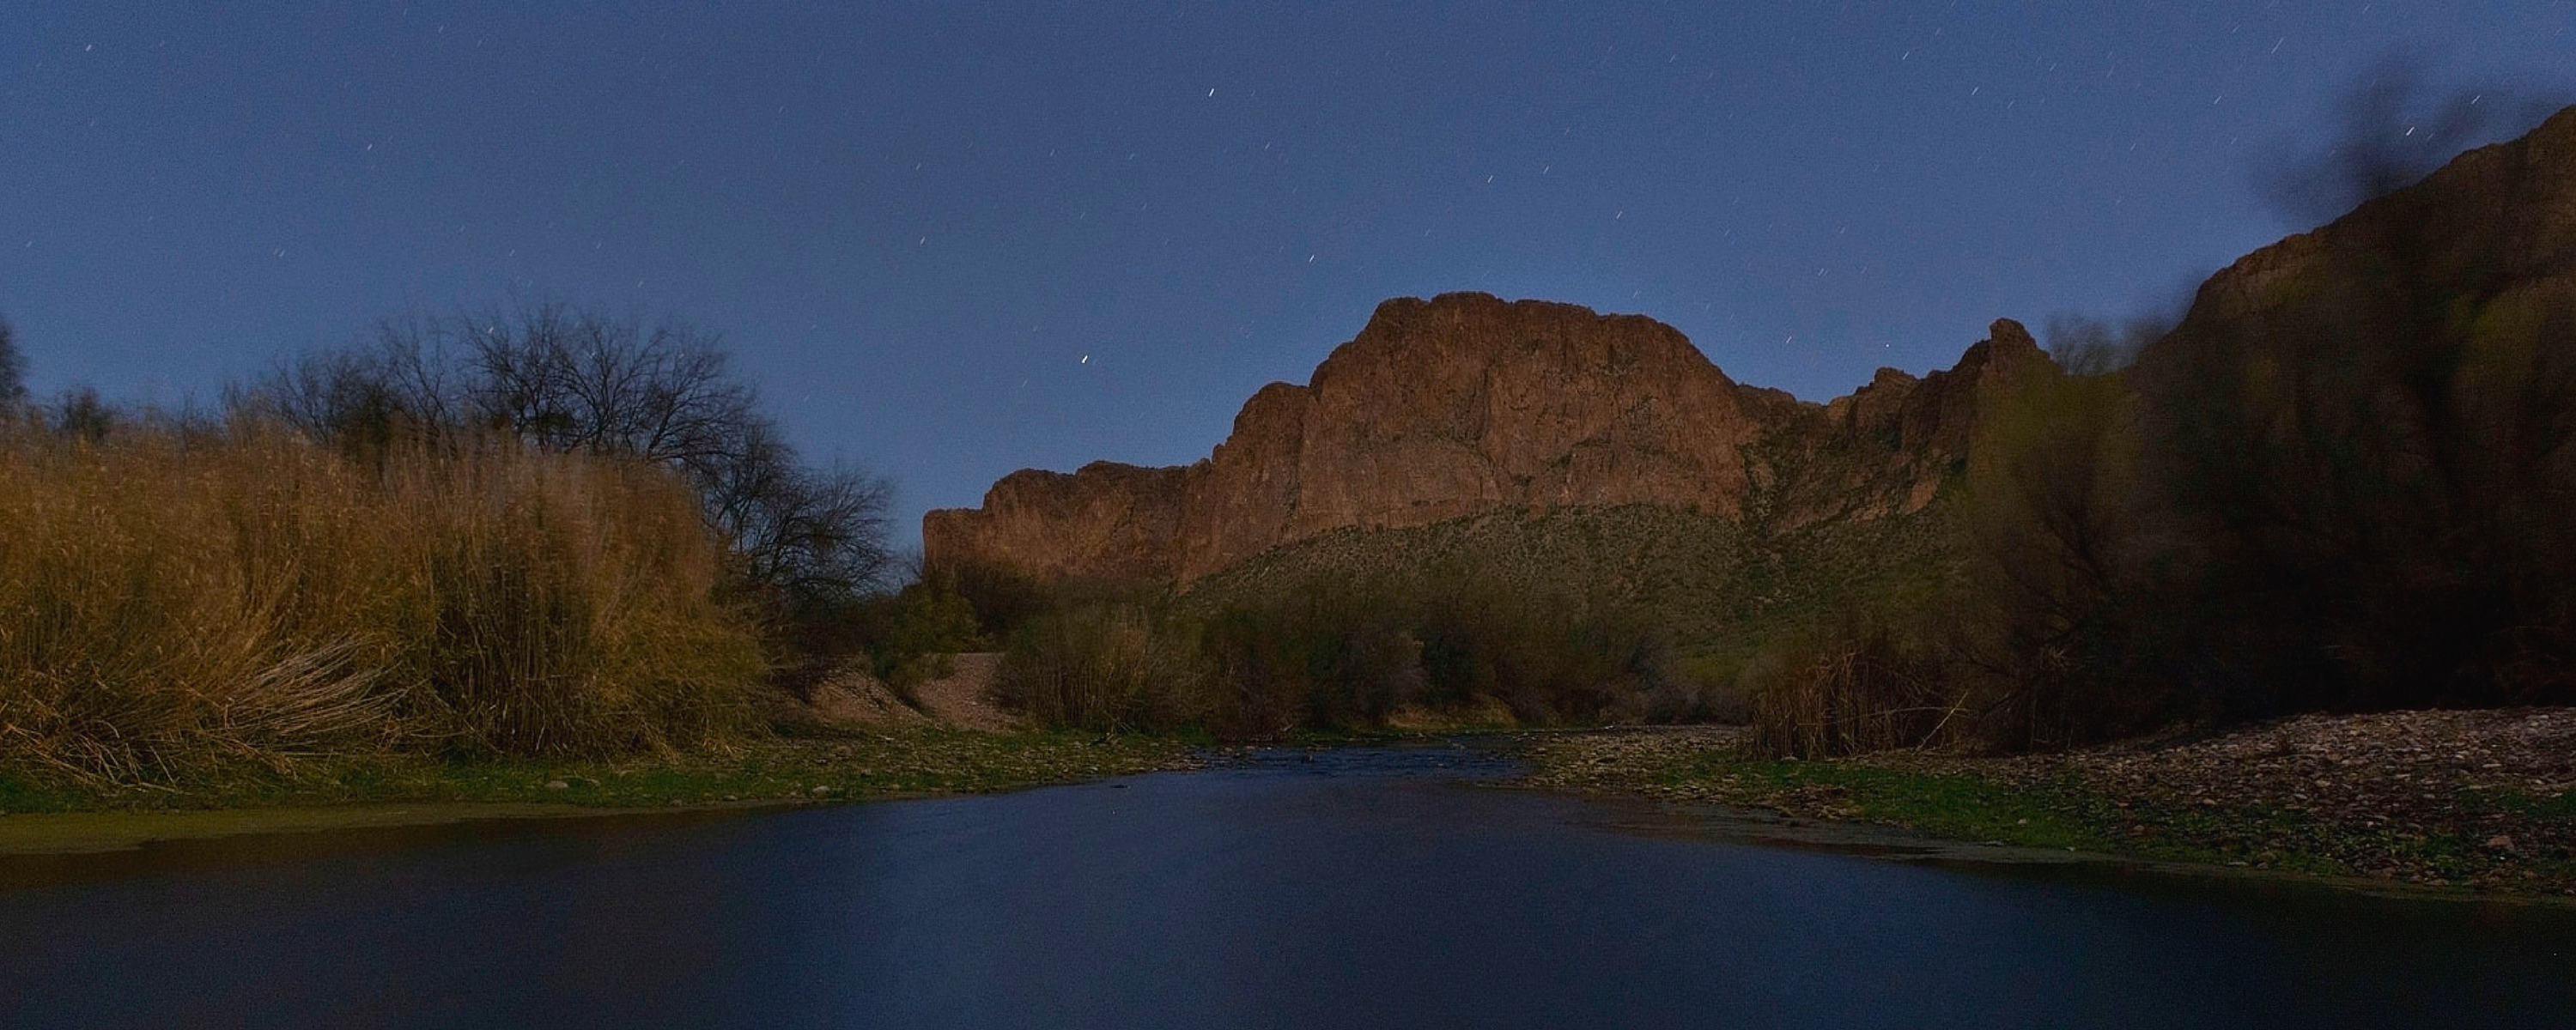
{"x": 1106, "y": 665}
{"x": 1853, "y": 685}
{"x": 178, "y": 597}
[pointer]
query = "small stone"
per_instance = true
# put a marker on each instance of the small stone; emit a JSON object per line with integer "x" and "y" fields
{"x": 822, "y": 791}
{"x": 2501, "y": 842}
{"x": 557, "y": 785}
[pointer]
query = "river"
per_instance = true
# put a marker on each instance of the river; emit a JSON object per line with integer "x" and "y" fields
{"x": 1357, "y": 888}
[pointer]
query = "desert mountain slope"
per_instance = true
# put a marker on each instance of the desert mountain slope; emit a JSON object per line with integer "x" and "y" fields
{"x": 1466, "y": 404}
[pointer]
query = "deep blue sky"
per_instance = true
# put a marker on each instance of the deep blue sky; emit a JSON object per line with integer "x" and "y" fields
{"x": 911, "y": 223}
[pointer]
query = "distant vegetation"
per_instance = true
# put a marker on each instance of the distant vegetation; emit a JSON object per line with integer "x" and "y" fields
{"x": 1459, "y": 640}
{"x": 533, "y": 533}
{"x": 1570, "y": 616}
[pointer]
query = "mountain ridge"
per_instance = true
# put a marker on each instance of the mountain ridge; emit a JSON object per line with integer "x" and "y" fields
{"x": 1464, "y": 404}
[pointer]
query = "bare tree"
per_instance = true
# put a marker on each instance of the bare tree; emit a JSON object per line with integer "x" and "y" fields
{"x": 569, "y": 380}
{"x": 80, "y": 412}
{"x": 817, "y": 533}
{"x": 573, "y": 381}
{"x": 13, "y": 366}
{"x": 404, "y": 386}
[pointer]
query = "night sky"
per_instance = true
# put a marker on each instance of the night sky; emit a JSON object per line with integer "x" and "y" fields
{"x": 948, "y": 241}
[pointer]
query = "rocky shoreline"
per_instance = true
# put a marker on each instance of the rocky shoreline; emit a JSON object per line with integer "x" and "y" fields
{"x": 2481, "y": 801}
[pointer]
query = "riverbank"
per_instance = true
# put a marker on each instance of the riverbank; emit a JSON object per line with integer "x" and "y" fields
{"x": 2465, "y": 801}
{"x": 37, "y": 817}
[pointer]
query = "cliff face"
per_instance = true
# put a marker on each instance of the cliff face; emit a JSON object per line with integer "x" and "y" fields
{"x": 1887, "y": 448}
{"x": 1105, "y": 521}
{"x": 1444, "y": 408}
{"x": 1464, "y": 404}
{"x": 2494, "y": 224}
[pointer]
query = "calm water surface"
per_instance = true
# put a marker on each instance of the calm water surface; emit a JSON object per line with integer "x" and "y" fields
{"x": 1361, "y": 889}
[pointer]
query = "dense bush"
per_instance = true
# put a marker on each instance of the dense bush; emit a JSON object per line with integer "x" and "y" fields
{"x": 1547, "y": 653}
{"x": 1314, "y": 656}
{"x": 909, "y": 635}
{"x": 1330, "y": 651}
{"x": 2371, "y": 490}
{"x": 1002, "y": 598}
{"x": 2062, "y": 618}
{"x": 1855, "y": 685}
{"x": 2345, "y": 490}
{"x": 1105, "y": 666}
{"x": 175, "y": 596}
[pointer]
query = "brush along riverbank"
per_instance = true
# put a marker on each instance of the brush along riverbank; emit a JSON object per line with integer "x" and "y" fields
{"x": 43, "y": 817}
{"x": 2478, "y": 801}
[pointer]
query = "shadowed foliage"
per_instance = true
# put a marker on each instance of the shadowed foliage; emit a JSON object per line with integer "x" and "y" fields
{"x": 1457, "y": 639}
{"x": 2340, "y": 484}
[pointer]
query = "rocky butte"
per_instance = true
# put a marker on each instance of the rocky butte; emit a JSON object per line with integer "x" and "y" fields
{"x": 1464, "y": 404}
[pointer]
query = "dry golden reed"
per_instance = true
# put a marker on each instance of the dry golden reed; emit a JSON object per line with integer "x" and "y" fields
{"x": 173, "y": 598}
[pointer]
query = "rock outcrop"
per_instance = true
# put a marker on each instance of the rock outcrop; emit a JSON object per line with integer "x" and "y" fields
{"x": 1466, "y": 403}
{"x": 1933, "y": 418}
{"x": 1104, "y": 521}
{"x": 1887, "y": 448}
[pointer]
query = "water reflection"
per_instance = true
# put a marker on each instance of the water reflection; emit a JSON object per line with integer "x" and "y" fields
{"x": 1359, "y": 889}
